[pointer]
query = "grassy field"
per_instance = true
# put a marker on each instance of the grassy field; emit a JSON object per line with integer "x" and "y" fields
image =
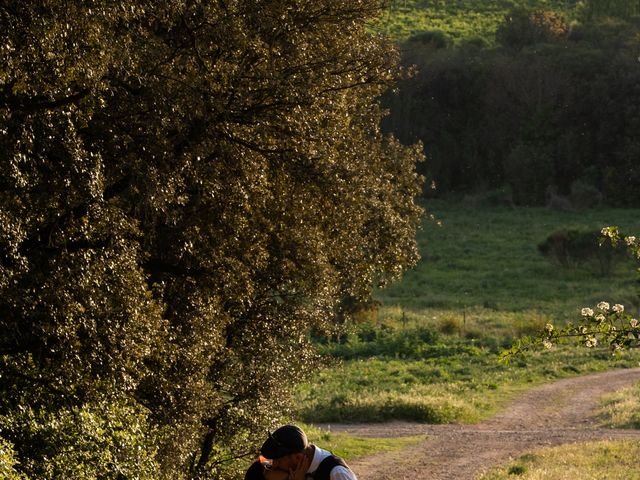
{"x": 430, "y": 353}
{"x": 487, "y": 259}
{"x": 598, "y": 460}
{"x": 458, "y": 19}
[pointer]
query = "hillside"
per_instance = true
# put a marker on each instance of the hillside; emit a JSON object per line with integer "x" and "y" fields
{"x": 459, "y": 19}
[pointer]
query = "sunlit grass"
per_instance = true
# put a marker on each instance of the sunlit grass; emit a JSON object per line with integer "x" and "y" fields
{"x": 460, "y": 20}
{"x": 621, "y": 409}
{"x": 454, "y": 383}
{"x": 469, "y": 322}
{"x": 350, "y": 447}
{"x": 609, "y": 460}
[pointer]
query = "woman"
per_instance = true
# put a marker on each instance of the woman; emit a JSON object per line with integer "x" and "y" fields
{"x": 261, "y": 470}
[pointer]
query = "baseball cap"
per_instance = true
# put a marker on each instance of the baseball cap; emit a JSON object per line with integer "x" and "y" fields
{"x": 284, "y": 441}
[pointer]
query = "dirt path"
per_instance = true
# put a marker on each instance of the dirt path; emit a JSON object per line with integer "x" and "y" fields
{"x": 553, "y": 414}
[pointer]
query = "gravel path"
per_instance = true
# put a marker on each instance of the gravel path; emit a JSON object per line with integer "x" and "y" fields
{"x": 553, "y": 414}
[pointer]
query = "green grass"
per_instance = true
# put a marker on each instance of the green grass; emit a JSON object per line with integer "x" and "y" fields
{"x": 586, "y": 461}
{"x": 488, "y": 258}
{"x": 458, "y": 384}
{"x": 350, "y": 447}
{"x": 431, "y": 352}
{"x": 458, "y": 19}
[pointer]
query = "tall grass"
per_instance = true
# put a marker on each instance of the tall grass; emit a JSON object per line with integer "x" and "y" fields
{"x": 621, "y": 409}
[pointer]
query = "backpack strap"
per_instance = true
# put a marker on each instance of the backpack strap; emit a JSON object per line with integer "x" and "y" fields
{"x": 324, "y": 469}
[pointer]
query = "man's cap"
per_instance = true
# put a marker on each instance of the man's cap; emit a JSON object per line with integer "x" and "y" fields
{"x": 284, "y": 441}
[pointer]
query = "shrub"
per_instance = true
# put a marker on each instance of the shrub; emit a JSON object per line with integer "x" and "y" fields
{"x": 450, "y": 326}
{"x": 499, "y": 197}
{"x": 435, "y": 39}
{"x": 584, "y": 195}
{"x": 517, "y": 470}
{"x": 392, "y": 406}
{"x": 522, "y": 27}
{"x": 110, "y": 438}
{"x": 571, "y": 248}
{"x": 369, "y": 341}
{"x": 530, "y": 325}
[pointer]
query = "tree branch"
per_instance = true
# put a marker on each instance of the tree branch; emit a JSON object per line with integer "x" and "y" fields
{"x": 33, "y": 104}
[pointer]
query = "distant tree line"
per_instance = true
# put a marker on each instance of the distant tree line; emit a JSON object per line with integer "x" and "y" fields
{"x": 553, "y": 109}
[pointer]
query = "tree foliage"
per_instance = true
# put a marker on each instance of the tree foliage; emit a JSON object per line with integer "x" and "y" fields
{"x": 522, "y": 27}
{"x": 188, "y": 188}
{"x": 550, "y": 107}
{"x": 591, "y": 9}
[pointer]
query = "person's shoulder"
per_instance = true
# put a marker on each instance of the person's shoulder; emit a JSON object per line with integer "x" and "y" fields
{"x": 342, "y": 473}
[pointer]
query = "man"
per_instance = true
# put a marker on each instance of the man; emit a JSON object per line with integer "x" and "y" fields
{"x": 288, "y": 449}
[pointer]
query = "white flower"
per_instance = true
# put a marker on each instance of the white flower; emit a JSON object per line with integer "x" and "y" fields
{"x": 618, "y": 308}
{"x": 548, "y": 327}
{"x": 587, "y": 312}
{"x": 600, "y": 317}
{"x": 604, "y": 306}
{"x": 591, "y": 342}
{"x": 547, "y": 344}
{"x": 631, "y": 240}
{"x": 633, "y": 322}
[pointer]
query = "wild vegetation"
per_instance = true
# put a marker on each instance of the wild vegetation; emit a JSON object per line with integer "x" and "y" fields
{"x": 622, "y": 409}
{"x": 428, "y": 350}
{"x": 349, "y": 446}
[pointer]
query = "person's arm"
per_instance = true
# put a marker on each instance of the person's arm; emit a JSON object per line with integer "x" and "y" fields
{"x": 341, "y": 473}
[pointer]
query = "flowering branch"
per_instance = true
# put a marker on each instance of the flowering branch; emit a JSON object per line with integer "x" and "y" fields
{"x": 604, "y": 324}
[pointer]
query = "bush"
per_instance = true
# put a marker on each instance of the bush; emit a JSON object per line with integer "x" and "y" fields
{"x": 517, "y": 470}
{"x": 107, "y": 439}
{"x": 571, "y": 248}
{"x": 499, "y": 197}
{"x": 434, "y": 39}
{"x": 522, "y": 27}
{"x": 584, "y": 195}
{"x": 450, "y": 326}
{"x": 345, "y": 408}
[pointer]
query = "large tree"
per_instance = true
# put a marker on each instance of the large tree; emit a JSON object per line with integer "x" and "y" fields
{"x": 188, "y": 188}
